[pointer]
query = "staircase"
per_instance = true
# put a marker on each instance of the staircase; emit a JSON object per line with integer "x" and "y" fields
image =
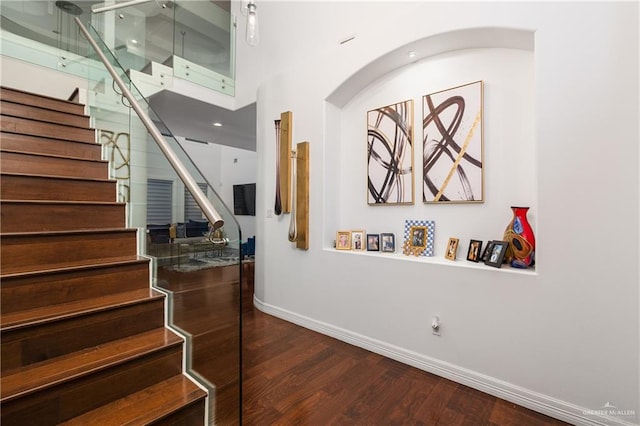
{"x": 83, "y": 339}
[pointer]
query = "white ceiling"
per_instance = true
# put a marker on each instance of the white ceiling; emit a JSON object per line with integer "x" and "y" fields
{"x": 194, "y": 119}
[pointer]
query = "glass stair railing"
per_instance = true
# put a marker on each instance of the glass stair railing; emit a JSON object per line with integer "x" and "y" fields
{"x": 197, "y": 264}
{"x": 193, "y": 40}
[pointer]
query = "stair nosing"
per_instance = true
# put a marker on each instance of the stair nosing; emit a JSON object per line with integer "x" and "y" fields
{"x": 94, "y": 366}
{"x": 151, "y": 296}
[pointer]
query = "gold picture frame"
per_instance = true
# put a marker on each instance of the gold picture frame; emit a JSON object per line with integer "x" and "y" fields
{"x": 418, "y": 237}
{"x": 390, "y": 142}
{"x": 453, "y": 146}
{"x": 358, "y": 240}
{"x": 343, "y": 240}
{"x": 452, "y": 249}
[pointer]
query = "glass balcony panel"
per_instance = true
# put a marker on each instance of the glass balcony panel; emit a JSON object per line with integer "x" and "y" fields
{"x": 202, "y": 34}
{"x": 197, "y": 35}
{"x": 47, "y": 22}
{"x": 199, "y": 269}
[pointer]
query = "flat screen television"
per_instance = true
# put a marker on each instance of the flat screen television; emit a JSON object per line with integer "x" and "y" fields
{"x": 244, "y": 199}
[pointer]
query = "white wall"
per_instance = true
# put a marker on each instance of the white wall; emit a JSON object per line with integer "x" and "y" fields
{"x": 238, "y": 167}
{"x": 564, "y": 340}
{"x": 224, "y": 167}
{"x": 20, "y": 75}
{"x": 509, "y": 151}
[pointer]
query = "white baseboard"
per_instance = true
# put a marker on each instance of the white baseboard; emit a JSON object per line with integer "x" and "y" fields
{"x": 544, "y": 404}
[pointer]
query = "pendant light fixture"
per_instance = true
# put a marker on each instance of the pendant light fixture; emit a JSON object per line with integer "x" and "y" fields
{"x": 252, "y": 37}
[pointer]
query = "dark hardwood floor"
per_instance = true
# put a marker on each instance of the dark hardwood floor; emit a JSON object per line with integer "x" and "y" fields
{"x": 294, "y": 376}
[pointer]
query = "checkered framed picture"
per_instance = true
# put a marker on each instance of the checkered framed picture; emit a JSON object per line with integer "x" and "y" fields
{"x": 418, "y": 237}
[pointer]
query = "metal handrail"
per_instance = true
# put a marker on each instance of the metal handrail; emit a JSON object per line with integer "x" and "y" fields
{"x": 210, "y": 212}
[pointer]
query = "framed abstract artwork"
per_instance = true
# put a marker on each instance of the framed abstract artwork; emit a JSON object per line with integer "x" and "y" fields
{"x": 390, "y": 155}
{"x": 452, "y": 157}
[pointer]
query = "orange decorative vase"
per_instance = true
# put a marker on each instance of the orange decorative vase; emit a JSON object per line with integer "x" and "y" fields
{"x": 522, "y": 241}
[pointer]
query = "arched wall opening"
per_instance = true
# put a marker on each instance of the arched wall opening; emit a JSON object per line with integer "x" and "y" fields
{"x": 503, "y": 59}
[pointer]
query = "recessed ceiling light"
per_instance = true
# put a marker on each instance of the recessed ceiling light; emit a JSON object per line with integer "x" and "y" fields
{"x": 134, "y": 41}
{"x": 412, "y": 54}
{"x": 217, "y": 124}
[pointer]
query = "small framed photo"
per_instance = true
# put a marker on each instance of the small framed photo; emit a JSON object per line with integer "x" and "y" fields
{"x": 373, "y": 242}
{"x": 487, "y": 251}
{"x": 357, "y": 240}
{"x": 474, "y": 252}
{"x": 418, "y": 237}
{"x": 496, "y": 256}
{"x": 452, "y": 249}
{"x": 343, "y": 240}
{"x": 388, "y": 242}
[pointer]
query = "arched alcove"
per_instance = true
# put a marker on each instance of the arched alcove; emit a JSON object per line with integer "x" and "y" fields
{"x": 504, "y": 60}
{"x": 469, "y": 38}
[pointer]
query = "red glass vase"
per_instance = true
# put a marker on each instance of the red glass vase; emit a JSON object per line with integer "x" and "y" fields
{"x": 522, "y": 241}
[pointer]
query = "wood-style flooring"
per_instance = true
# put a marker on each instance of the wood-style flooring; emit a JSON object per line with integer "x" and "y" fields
{"x": 294, "y": 376}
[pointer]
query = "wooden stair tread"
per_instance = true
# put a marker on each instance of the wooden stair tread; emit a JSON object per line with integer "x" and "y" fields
{"x": 62, "y": 265}
{"x": 6, "y": 113}
{"x": 88, "y": 149}
{"x": 35, "y": 377}
{"x": 11, "y": 135}
{"x": 43, "y": 114}
{"x": 47, "y": 129}
{"x": 128, "y": 260}
{"x": 42, "y": 107}
{"x": 61, "y": 157}
{"x": 70, "y": 178}
{"x": 78, "y": 231}
{"x": 65, "y": 202}
{"x": 19, "y": 319}
{"x": 146, "y": 406}
{"x": 9, "y": 93}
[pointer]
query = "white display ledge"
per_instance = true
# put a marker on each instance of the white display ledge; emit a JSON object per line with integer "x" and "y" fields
{"x": 436, "y": 260}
